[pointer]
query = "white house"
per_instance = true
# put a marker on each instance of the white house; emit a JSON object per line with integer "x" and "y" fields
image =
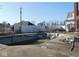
{"x": 27, "y": 27}
{"x": 70, "y": 22}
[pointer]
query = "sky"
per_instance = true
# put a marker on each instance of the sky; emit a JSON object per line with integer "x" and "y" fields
{"x": 35, "y": 12}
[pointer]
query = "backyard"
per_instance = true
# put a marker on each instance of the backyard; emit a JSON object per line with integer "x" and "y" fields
{"x": 42, "y": 48}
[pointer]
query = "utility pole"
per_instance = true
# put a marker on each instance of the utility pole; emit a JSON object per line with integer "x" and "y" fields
{"x": 76, "y": 16}
{"x": 20, "y": 19}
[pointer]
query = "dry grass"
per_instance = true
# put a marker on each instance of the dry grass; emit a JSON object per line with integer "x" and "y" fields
{"x": 71, "y": 33}
{"x": 41, "y": 41}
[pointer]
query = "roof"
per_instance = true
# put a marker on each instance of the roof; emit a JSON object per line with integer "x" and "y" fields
{"x": 25, "y": 23}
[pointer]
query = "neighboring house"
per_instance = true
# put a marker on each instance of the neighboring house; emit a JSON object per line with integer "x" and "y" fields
{"x": 27, "y": 27}
{"x": 69, "y": 23}
{"x": 5, "y": 27}
{"x": 1, "y": 27}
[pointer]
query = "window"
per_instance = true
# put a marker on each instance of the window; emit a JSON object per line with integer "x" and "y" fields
{"x": 70, "y": 15}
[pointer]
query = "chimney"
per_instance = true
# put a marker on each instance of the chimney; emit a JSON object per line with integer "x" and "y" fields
{"x": 75, "y": 16}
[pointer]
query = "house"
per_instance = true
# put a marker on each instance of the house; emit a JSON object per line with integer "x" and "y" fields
{"x": 27, "y": 27}
{"x": 69, "y": 23}
{"x": 5, "y": 27}
{"x": 1, "y": 27}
